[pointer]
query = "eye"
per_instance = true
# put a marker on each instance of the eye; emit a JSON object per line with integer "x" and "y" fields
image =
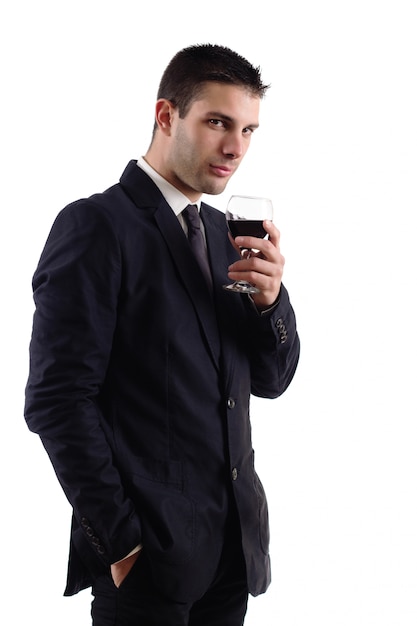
{"x": 217, "y": 123}
{"x": 248, "y": 131}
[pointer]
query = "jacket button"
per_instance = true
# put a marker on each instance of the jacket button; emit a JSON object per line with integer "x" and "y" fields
{"x": 279, "y": 324}
{"x": 234, "y": 474}
{"x": 282, "y": 330}
{"x": 231, "y": 403}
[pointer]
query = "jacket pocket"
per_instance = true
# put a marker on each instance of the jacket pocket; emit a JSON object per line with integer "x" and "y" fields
{"x": 264, "y": 534}
{"x": 167, "y": 514}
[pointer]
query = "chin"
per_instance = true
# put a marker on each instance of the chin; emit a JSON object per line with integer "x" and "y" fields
{"x": 215, "y": 190}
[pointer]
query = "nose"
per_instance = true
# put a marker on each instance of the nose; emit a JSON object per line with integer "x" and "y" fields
{"x": 233, "y": 146}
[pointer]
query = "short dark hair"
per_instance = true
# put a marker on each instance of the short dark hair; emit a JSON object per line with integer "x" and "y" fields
{"x": 190, "y": 68}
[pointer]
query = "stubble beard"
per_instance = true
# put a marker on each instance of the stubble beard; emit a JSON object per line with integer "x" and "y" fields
{"x": 197, "y": 177}
{"x": 192, "y": 173}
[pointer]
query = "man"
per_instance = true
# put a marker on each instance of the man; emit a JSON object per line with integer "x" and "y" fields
{"x": 141, "y": 371}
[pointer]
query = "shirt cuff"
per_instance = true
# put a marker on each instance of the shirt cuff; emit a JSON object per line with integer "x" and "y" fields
{"x": 138, "y": 548}
{"x": 264, "y": 311}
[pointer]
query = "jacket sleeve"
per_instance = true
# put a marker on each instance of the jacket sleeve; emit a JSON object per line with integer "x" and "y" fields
{"x": 76, "y": 287}
{"x": 275, "y": 348}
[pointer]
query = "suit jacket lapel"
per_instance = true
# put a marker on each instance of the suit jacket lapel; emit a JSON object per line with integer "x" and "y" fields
{"x": 191, "y": 276}
{"x": 146, "y": 195}
{"x": 230, "y": 306}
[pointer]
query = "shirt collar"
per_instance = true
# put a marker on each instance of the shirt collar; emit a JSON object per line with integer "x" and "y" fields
{"x": 175, "y": 198}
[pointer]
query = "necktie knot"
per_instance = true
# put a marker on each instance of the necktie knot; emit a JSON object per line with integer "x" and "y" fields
{"x": 192, "y": 216}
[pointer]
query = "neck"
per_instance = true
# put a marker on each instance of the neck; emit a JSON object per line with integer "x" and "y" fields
{"x": 156, "y": 161}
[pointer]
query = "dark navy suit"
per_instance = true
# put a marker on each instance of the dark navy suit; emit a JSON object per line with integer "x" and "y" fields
{"x": 139, "y": 388}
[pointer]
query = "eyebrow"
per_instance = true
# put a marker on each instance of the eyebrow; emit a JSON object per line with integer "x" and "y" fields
{"x": 227, "y": 118}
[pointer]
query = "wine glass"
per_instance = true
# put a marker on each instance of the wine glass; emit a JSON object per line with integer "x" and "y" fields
{"x": 245, "y": 216}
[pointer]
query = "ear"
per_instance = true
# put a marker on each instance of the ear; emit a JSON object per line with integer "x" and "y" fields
{"x": 164, "y": 113}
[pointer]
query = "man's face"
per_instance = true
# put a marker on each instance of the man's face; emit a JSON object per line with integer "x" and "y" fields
{"x": 207, "y": 146}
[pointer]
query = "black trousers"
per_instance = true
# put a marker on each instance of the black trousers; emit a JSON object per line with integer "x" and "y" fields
{"x": 138, "y": 602}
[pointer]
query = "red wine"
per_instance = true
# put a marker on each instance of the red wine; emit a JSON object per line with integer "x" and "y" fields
{"x": 253, "y": 228}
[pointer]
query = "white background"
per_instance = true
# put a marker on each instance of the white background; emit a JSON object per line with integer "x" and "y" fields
{"x": 337, "y": 153}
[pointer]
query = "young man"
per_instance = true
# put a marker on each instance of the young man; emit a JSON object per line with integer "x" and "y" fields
{"x": 141, "y": 371}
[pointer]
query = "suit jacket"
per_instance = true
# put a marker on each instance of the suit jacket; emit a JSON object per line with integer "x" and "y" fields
{"x": 139, "y": 388}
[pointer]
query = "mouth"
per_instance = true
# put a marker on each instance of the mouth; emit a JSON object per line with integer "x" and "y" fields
{"x": 221, "y": 170}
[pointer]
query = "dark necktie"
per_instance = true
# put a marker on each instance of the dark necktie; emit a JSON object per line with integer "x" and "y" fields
{"x": 196, "y": 239}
